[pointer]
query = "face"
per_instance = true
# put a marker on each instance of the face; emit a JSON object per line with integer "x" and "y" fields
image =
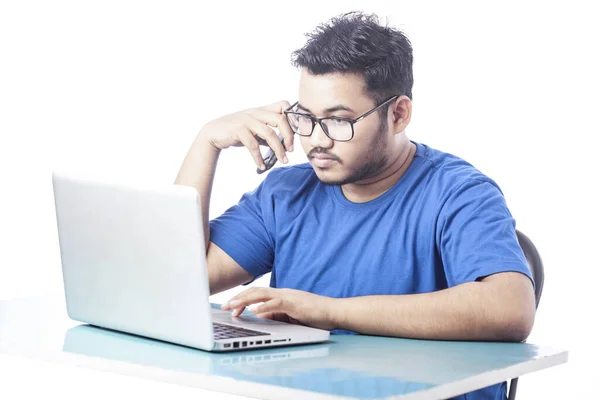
{"x": 336, "y": 162}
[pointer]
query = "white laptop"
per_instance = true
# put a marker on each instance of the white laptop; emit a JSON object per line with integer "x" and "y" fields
{"x": 133, "y": 260}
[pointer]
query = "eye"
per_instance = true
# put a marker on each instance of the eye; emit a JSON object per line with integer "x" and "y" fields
{"x": 337, "y": 121}
{"x": 303, "y": 118}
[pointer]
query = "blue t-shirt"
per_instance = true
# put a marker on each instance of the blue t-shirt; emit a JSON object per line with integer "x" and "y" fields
{"x": 442, "y": 224}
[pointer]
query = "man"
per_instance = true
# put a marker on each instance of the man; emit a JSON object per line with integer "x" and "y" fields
{"x": 378, "y": 234}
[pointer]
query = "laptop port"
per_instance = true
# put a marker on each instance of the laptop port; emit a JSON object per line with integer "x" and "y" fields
{"x": 244, "y": 344}
{"x": 259, "y": 342}
{"x": 236, "y": 345}
{"x": 279, "y": 340}
{"x": 267, "y": 342}
{"x": 227, "y": 345}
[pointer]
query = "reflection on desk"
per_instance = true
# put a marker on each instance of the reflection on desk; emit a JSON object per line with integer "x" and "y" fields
{"x": 357, "y": 366}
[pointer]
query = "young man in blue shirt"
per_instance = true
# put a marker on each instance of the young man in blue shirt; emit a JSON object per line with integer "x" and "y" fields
{"x": 377, "y": 234}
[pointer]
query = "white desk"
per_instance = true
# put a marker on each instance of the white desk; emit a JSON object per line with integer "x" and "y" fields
{"x": 346, "y": 367}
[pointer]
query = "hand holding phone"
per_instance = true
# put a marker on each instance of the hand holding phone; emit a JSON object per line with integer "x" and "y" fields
{"x": 270, "y": 158}
{"x": 252, "y": 128}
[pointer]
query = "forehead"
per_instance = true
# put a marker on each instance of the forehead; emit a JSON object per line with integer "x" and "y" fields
{"x": 319, "y": 92}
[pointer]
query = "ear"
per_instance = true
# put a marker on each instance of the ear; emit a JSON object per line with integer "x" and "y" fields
{"x": 401, "y": 110}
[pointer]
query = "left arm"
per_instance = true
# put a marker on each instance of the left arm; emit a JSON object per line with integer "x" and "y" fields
{"x": 500, "y": 307}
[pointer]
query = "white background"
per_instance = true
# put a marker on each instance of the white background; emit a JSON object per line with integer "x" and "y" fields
{"x": 121, "y": 88}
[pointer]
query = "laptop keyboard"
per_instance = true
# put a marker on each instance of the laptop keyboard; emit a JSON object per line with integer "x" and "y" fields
{"x": 222, "y": 331}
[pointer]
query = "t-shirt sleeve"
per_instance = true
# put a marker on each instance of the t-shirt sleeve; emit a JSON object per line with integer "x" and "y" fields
{"x": 477, "y": 236}
{"x": 243, "y": 232}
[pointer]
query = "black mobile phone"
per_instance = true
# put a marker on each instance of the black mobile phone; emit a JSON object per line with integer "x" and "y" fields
{"x": 270, "y": 159}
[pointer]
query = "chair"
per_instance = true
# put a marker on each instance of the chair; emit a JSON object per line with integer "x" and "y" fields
{"x": 537, "y": 271}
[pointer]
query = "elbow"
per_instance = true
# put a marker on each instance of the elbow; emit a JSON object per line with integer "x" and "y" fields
{"x": 520, "y": 332}
{"x": 517, "y": 325}
{"x": 512, "y": 301}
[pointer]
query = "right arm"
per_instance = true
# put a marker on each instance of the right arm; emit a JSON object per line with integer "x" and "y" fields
{"x": 247, "y": 128}
{"x": 198, "y": 171}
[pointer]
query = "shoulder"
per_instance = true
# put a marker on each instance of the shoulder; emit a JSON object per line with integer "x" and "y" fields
{"x": 452, "y": 173}
{"x": 461, "y": 190}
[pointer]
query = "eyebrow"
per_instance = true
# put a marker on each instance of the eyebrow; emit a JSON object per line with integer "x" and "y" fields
{"x": 339, "y": 107}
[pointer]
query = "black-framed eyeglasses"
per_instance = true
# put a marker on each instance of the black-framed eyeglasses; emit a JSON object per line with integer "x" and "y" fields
{"x": 336, "y": 128}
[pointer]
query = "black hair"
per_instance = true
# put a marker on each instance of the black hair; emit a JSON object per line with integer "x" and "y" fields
{"x": 356, "y": 43}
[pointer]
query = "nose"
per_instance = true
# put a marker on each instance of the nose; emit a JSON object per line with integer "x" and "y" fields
{"x": 319, "y": 138}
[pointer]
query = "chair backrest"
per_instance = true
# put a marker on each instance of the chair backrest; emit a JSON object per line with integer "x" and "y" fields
{"x": 535, "y": 264}
{"x": 537, "y": 271}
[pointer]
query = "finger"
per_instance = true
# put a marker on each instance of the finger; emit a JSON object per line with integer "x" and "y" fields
{"x": 270, "y": 137}
{"x": 234, "y": 301}
{"x": 250, "y": 297}
{"x": 238, "y": 311}
{"x": 276, "y": 119}
{"x": 250, "y": 142}
{"x": 275, "y": 316}
{"x": 276, "y": 305}
{"x": 287, "y": 133}
{"x": 266, "y": 315}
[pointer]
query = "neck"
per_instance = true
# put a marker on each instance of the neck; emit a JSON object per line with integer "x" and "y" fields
{"x": 373, "y": 187}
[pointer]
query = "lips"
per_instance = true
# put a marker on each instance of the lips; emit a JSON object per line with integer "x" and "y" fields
{"x": 322, "y": 161}
{"x": 322, "y": 157}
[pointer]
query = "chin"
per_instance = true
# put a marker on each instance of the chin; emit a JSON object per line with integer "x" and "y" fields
{"x": 328, "y": 177}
